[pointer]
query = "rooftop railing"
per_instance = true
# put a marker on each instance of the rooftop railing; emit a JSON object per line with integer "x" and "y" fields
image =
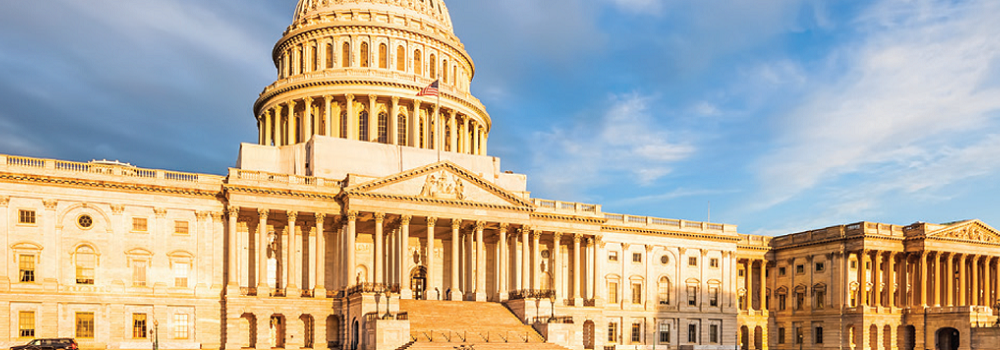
{"x": 68, "y": 168}
{"x": 566, "y": 207}
{"x": 266, "y": 177}
{"x": 653, "y": 222}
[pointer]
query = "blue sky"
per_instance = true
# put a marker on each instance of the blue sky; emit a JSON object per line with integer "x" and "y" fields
{"x": 784, "y": 115}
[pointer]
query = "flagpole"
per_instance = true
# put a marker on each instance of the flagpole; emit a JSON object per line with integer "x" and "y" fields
{"x": 437, "y": 121}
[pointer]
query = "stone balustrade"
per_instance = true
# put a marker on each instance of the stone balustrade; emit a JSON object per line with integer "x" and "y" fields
{"x": 101, "y": 171}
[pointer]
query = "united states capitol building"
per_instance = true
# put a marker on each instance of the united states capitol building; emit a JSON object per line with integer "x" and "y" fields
{"x": 368, "y": 217}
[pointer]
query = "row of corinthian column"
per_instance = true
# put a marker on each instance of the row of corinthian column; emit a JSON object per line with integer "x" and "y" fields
{"x": 346, "y": 117}
{"x": 393, "y": 263}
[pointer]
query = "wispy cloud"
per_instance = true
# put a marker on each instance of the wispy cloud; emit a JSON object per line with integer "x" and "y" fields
{"x": 639, "y": 6}
{"x": 626, "y": 140}
{"x": 910, "y": 96}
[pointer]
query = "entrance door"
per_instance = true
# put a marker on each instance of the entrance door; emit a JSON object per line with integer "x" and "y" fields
{"x": 947, "y": 339}
{"x": 418, "y": 283}
{"x": 588, "y": 335}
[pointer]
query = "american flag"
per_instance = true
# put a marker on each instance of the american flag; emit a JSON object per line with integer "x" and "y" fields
{"x": 430, "y": 90}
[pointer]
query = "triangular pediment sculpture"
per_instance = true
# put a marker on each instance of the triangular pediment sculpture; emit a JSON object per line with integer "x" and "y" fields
{"x": 972, "y": 230}
{"x": 444, "y": 182}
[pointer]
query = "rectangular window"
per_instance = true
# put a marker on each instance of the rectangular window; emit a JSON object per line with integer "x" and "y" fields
{"x": 742, "y": 273}
{"x": 713, "y": 296}
{"x": 820, "y": 267}
{"x": 139, "y": 225}
{"x": 181, "y": 227}
{"x": 714, "y": 262}
{"x": 713, "y": 333}
{"x": 800, "y": 269}
{"x": 613, "y": 292}
{"x": 782, "y": 302}
{"x": 692, "y": 261}
{"x": 26, "y": 324}
{"x": 820, "y": 299}
{"x": 181, "y": 274}
{"x": 85, "y": 325}
{"x": 612, "y": 256}
{"x": 692, "y": 296}
{"x": 26, "y": 267}
{"x": 636, "y": 332}
{"x": 819, "y": 335}
{"x": 798, "y": 335}
{"x": 26, "y": 217}
{"x": 782, "y": 271}
{"x": 692, "y": 333}
{"x": 612, "y": 332}
{"x": 800, "y": 300}
{"x": 180, "y": 326}
{"x": 139, "y": 273}
{"x": 636, "y": 293}
{"x": 781, "y": 335}
{"x": 664, "y": 333}
{"x": 637, "y": 257}
{"x": 139, "y": 326}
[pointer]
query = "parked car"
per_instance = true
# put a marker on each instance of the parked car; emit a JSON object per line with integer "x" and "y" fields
{"x": 49, "y": 344}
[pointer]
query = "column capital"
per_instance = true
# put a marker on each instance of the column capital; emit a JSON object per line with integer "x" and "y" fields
{"x": 277, "y": 108}
{"x": 320, "y": 217}
{"x": 352, "y": 215}
{"x": 456, "y": 224}
{"x": 536, "y": 234}
{"x": 372, "y": 97}
{"x": 159, "y": 212}
{"x": 395, "y": 100}
{"x": 4, "y": 200}
{"x": 649, "y": 248}
{"x": 379, "y": 218}
{"x": 309, "y": 99}
{"x": 432, "y": 221}
{"x": 217, "y": 215}
{"x": 557, "y": 236}
{"x": 504, "y": 227}
{"x": 405, "y": 220}
{"x": 350, "y": 97}
{"x": 480, "y": 225}
{"x": 260, "y": 211}
{"x": 292, "y": 215}
{"x": 525, "y": 229}
{"x": 201, "y": 215}
{"x": 577, "y": 237}
{"x": 116, "y": 209}
{"x": 328, "y": 98}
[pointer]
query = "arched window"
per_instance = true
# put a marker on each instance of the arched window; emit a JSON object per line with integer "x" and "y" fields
{"x": 364, "y": 55}
{"x": 329, "y": 56}
{"x": 86, "y": 265}
{"x": 663, "y": 291}
{"x": 383, "y": 56}
{"x": 343, "y": 124}
{"x": 433, "y": 65}
{"x": 454, "y": 75}
{"x": 363, "y": 126}
{"x": 444, "y": 71}
{"x": 302, "y": 60}
{"x": 401, "y": 130}
{"x": 383, "y": 127}
{"x": 401, "y": 59}
{"x": 345, "y": 55}
{"x": 288, "y": 63}
{"x": 418, "y": 67}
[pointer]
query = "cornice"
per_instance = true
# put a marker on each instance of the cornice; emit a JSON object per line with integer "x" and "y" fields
{"x": 671, "y": 233}
{"x": 277, "y": 192}
{"x": 13, "y": 178}
{"x": 452, "y": 203}
{"x": 569, "y": 218}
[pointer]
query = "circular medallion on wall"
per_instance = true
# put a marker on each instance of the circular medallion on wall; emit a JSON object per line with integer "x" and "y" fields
{"x": 85, "y": 221}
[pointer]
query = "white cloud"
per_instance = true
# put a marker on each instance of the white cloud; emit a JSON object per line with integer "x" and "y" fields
{"x": 913, "y": 91}
{"x": 626, "y": 139}
{"x": 639, "y": 6}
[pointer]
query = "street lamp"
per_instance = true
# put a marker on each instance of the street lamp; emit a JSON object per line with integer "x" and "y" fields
{"x": 552, "y": 298}
{"x": 156, "y": 334}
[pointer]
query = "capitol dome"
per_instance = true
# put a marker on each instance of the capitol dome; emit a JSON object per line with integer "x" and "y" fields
{"x": 353, "y": 69}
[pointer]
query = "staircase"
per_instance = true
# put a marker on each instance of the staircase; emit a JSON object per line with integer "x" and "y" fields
{"x": 450, "y": 325}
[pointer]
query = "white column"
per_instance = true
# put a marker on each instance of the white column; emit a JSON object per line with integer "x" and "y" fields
{"x": 577, "y": 283}
{"x": 502, "y": 259}
{"x": 536, "y": 261}
{"x": 308, "y": 119}
{"x": 233, "y": 287}
{"x": 556, "y": 254}
{"x": 599, "y": 271}
{"x": 320, "y": 287}
{"x": 404, "y": 248}
{"x": 262, "y": 252}
{"x": 350, "y": 269}
{"x": 293, "y": 130}
{"x": 525, "y": 259}
{"x": 379, "y": 254}
{"x": 290, "y": 261}
{"x": 455, "y": 286}
{"x": 431, "y": 293}
{"x": 480, "y": 262}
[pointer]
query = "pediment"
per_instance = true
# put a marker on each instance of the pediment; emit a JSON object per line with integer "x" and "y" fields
{"x": 441, "y": 182}
{"x": 972, "y": 231}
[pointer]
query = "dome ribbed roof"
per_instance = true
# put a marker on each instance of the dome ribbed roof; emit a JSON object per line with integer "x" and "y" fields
{"x": 428, "y": 10}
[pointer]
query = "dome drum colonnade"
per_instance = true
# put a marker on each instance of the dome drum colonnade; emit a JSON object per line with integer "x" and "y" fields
{"x": 338, "y": 77}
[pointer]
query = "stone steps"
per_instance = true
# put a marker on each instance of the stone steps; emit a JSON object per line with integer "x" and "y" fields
{"x": 453, "y": 323}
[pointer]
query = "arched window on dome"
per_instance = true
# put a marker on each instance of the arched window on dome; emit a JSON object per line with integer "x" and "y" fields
{"x": 454, "y": 75}
{"x": 383, "y": 56}
{"x": 363, "y": 126}
{"x": 364, "y": 55}
{"x": 401, "y": 59}
{"x": 345, "y": 55}
{"x": 430, "y": 132}
{"x": 343, "y": 124}
{"x": 288, "y": 63}
{"x": 418, "y": 67}
{"x": 472, "y": 136}
{"x": 329, "y": 56}
{"x": 383, "y": 127}
{"x": 447, "y": 137}
{"x": 433, "y": 65}
{"x": 401, "y": 129}
{"x": 302, "y": 60}
{"x": 444, "y": 71}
